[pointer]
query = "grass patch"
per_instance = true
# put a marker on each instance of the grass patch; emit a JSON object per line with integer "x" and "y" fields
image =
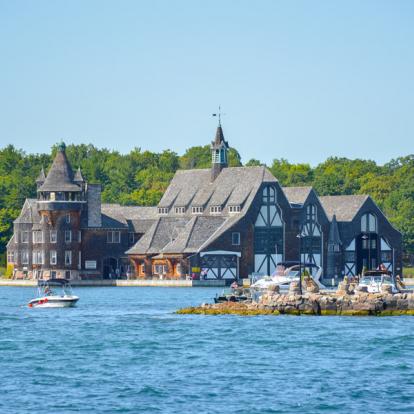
{"x": 408, "y": 272}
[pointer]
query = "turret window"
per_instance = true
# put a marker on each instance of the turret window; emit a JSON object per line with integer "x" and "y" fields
{"x": 25, "y": 257}
{"x": 53, "y": 236}
{"x": 25, "y": 237}
{"x": 53, "y": 257}
{"x": 38, "y": 236}
{"x": 68, "y": 236}
{"x": 179, "y": 210}
{"x": 38, "y": 257}
{"x": 216, "y": 156}
{"x": 68, "y": 257}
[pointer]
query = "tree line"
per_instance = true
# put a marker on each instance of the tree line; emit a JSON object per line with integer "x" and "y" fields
{"x": 141, "y": 177}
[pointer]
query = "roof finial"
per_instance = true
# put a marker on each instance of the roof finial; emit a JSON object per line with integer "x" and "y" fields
{"x": 61, "y": 146}
{"x": 219, "y": 114}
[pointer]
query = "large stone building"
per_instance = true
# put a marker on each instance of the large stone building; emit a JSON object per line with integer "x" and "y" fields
{"x": 221, "y": 223}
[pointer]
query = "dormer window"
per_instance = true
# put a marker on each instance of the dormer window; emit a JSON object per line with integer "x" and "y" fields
{"x": 215, "y": 209}
{"x": 179, "y": 210}
{"x": 197, "y": 210}
{"x": 234, "y": 209}
{"x": 163, "y": 210}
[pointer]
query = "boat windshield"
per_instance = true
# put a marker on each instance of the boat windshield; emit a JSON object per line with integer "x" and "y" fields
{"x": 387, "y": 280}
{"x": 366, "y": 280}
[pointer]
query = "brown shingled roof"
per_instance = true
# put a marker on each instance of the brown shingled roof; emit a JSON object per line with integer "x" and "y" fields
{"x": 345, "y": 207}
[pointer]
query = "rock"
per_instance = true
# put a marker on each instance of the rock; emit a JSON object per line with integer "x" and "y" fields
{"x": 310, "y": 285}
{"x": 361, "y": 289}
{"x": 274, "y": 288}
{"x": 386, "y": 289}
{"x": 294, "y": 288}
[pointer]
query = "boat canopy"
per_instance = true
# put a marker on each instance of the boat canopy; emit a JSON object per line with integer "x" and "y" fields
{"x": 291, "y": 263}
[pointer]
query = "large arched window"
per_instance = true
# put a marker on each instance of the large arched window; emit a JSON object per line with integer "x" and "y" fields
{"x": 368, "y": 223}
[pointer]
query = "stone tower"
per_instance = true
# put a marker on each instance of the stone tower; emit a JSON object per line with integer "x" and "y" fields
{"x": 60, "y": 202}
{"x": 219, "y": 153}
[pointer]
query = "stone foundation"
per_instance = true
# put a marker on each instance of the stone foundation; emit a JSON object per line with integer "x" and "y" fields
{"x": 273, "y": 303}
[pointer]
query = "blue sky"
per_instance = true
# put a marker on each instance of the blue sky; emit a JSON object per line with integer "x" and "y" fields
{"x": 302, "y": 80}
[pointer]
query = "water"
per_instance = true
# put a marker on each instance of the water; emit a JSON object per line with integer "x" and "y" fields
{"x": 123, "y": 350}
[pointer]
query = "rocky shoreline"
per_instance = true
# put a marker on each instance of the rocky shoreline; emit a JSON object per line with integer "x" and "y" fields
{"x": 342, "y": 302}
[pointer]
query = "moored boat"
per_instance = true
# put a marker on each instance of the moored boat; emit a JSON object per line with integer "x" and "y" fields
{"x": 373, "y": 280}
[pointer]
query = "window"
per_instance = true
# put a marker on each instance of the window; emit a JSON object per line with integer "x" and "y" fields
{"x": 68, "y": 257}
{"x": 235, "y": 239}
{"x": 163, "y": 210}
{"x": 68, "y": 218}
{"x": 25, "y": 237}
{"x": 197, "y": 210}
{"x": 25, "y": 257}
{"x": 53, "y": 236}
{"x": 68, "y": 236}
{"x": 368, "y": 223}
{"x": 142, "y": 269}
{"x": 79, "y": 236}
{"x": 16, "y": 237}
{"x": 386, "y": 257}
{"x": 160, "y": 269}
{"x": 215, "y": 156}
{"x": 350, "y": 257}
{"x": 10, "y": 257}
{"x": 38, "y": 236}
{"x": 79, "y": 260}
{"x": 269, "y": 195}
{"x": 53, "y": 257}
{"x": 179, "y": 210}
{"x": 215, "y": 209}
{"x": 131, "y": 238}
{"x": 311, "y": 212}
{"x": 38, "y": 257}
{"x": 113, "y": 237}
{"x": 234, "y": 209}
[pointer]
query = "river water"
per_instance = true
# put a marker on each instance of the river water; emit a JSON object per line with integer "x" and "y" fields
{"x": 123, "y": 350}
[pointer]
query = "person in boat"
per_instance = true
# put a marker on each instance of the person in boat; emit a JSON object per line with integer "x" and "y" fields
{"x": 47, "y": 291}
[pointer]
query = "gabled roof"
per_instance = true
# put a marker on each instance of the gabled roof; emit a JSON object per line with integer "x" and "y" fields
{"x": 297, "y": 195}
{"x": 136, "y": 218}
{"x": 345, "y": 207}
{"x": 232, "y": 186}
{"x": 188, "y": 233}
{"x": 29, "y": 213}
{"x": 60, "y": 176}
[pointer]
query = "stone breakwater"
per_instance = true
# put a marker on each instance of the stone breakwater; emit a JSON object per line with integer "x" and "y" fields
{"x": 274, "y": 303}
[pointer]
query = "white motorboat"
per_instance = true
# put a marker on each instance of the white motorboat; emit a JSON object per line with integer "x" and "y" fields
{"x": 375, "y": 279}
{"x": 285, "y": 273}
{"x": 54, "y": 293}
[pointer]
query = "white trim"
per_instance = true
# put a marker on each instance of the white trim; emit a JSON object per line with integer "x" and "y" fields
{"x": 222, "y": 252}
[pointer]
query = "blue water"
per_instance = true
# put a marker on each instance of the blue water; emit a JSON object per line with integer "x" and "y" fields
{"x": 123, "y": 350}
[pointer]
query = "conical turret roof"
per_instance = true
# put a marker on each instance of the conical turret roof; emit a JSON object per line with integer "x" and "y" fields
{"x": 334, "y": 237}
{"x": 41, "y": 177}
{"x": 60, "y": 176}
{"x": 78, "y": 176}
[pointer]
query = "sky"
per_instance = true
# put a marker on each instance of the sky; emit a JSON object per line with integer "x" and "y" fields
{"x": 300, "y": 80}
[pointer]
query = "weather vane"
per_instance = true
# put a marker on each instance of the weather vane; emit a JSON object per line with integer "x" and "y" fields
{"x": 219, "y": 114}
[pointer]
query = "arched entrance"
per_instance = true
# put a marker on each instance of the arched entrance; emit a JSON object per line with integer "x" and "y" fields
{"x": 110, "y": 268}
